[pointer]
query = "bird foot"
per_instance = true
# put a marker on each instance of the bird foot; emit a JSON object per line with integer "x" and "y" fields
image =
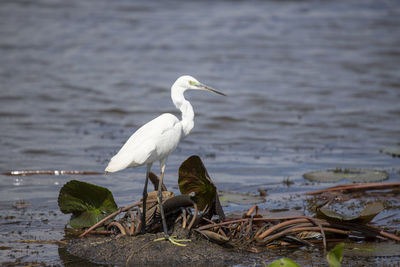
{"x": 173, "y": 240}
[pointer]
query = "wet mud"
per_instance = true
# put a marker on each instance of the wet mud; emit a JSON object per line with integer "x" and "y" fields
{"x": 143, "y": 250}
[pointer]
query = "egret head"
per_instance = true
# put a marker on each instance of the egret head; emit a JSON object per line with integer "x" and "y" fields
{"x": 187, "y": 82}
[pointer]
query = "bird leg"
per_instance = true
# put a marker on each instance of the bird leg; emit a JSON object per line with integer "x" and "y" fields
{"x": 159, "y": 199}
{"x": 164, "y": 223}
{"x": 144, "y": 199}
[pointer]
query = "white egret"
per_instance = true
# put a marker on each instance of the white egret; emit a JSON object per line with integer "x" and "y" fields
{"x": 158, "y": 138}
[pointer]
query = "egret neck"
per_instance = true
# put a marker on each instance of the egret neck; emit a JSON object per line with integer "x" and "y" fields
{"x": 184, "y": 106}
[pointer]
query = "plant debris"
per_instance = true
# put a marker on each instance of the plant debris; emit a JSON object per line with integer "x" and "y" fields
{"x": 250, "y": 231}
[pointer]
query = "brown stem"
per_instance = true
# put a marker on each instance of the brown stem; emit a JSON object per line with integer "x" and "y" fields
{"x": 321, "y": 230}
{"x": 251, "y": 210}
{"x": 359, "y": 186}
{"x": 301, "y": 229}
{"x": 118, "y": 225}
{"x": 280, "y": 225}
{"x": 255, "y": 219}
{"x": 132, "y": 228}
{"x": 184, "y": 219}
{"x": 194, "y": 216}
{"x": 388, "y": 235}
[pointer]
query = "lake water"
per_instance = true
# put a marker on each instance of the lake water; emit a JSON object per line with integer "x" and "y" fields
{"x": 311, "y": 85}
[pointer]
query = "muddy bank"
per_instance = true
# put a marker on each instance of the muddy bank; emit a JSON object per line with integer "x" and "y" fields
{"x": 142, "y": 250}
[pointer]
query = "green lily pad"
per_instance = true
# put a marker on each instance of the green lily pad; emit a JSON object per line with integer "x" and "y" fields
{"x": 88, "y": 203}
{"x": 239, "y": 198}
{"x": 335, "y": 255}
{"x": 372, "y": 249}
{"x": 352, "y": 174}
{"x": 392, "y": 151}
{"x": 195, "y": 181}
{"x": 284, "y": 262}
{"x": 365, "y": 216}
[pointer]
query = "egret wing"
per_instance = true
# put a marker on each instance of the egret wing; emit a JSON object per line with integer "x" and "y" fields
{"x": 141, "y": 147}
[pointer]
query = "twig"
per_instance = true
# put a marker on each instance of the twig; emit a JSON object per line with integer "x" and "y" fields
{"x": 360, "y": 186}
{"x": 208, "y": 220}
{"x": 118, "y": 225}
{"x": 242, "y": 228}
{"x": 321, "y": 230}
{"x": 302, "y": 219}
{"x": 366, "y": 230}
{"x": 184, "y": 219}
{"x": 255, "y": 219}
{"x": 251, "y": 210}
{"x": 301, "y": 229}
{"x": 260, "y": 230}
{"x": 249, "y": 227}
{"x": 219, "y": 227}
{"x": 280, "y": 225}
{"x": 389, "y": 235}
{"x": 132, "y": 228}
{"x": 221, "y": 224}
{"x": 194, "y": 216}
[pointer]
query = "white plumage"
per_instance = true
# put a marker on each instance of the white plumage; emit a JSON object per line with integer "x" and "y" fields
{"x": 151, "y": 142}
{"x": 158, "y": 138}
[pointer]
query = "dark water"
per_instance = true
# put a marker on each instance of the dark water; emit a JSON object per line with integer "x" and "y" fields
{"x": 311, "y": 84}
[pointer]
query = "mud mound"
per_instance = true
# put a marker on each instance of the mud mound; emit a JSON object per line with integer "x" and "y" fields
{"x": 142, "y": 250}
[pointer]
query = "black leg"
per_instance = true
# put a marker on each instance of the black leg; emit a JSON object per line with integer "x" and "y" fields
{"x": 144, "y": 199}
{"x": 164, "y": 222}
{"x": 159, "y": 198}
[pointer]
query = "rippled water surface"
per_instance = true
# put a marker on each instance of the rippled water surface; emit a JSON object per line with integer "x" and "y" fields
{"x": 311, "y": 85}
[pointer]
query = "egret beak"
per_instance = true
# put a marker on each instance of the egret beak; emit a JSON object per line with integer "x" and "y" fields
{"x": 208, "y": 88}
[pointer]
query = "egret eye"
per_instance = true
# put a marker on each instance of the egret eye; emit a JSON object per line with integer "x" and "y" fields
{"x": 192, "y": 83}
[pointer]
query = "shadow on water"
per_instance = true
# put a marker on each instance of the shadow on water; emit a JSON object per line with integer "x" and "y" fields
{"x": 68, "y": 259}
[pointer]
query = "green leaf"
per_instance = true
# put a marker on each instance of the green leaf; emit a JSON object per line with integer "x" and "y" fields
{"x": 335, "y": 256}
{"x": 88, "y": 203}
{"x": 194, "y": 179}
{"x": 284, "y": 262}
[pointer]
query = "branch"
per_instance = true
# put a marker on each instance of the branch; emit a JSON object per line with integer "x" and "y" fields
{"x": 361, "y": 186}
